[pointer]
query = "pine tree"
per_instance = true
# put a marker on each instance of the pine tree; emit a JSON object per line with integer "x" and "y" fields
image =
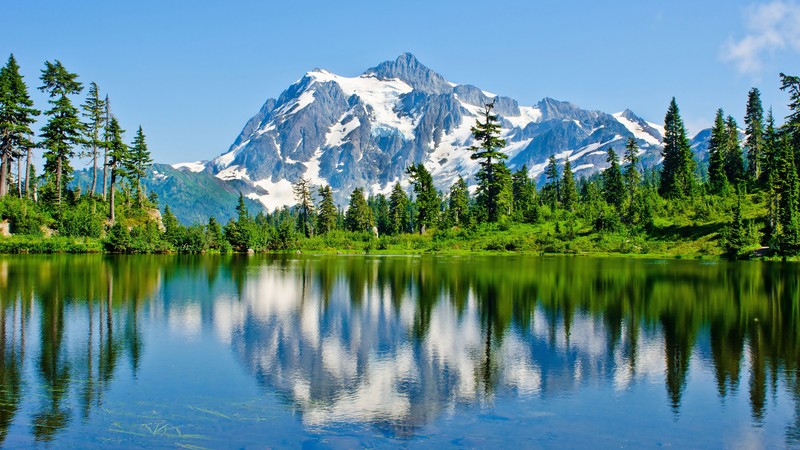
{"x": 302, "y": 194}
{"x": 63, "y": 130}
{"x": 524, "y": 192}
{"x": 239, "y": 232}
{"x": 398, "y": 210}
{"x": 16, "y": 117}
{"x": 458, "y": 204}
{"x": 734, "y": 165}
{"x": 94, "y": 112}
{"x": 754, "y": 128}
{"x": 613, "y": 187}
{"x": 380, "y": 211}
{"x": 326, "y": 218}
{"x": 735, "y": 234}
{"x": 492, "y": 190}
{"x": 769, "y": 174}
{"x": 428, "y": 202}
{"x": 792, "y": 126}
{"x": 106, "y": 143}
{"x": 137, "y": 164}
{"x": 118, "y": 155}
{"x": 552, "y": 189}
{"x": 359, "y": 216}
{"x": 632, "y": 179}
{"x": 717, "y": 155}
{"x": 788, "y": 232}
{"x": 677, "y": 170}
{"x": 569, "y": 194}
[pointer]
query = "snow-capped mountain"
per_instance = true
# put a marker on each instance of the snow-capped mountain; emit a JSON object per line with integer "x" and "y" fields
{"x": 364, "y": 131}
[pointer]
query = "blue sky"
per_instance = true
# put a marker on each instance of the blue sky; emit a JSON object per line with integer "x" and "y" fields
{"x": 192, "y": 72}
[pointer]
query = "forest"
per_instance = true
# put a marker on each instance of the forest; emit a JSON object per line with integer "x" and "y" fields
{"x": 742, "y": 203}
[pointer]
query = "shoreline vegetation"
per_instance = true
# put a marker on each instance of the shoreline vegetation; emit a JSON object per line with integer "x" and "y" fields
{"x": 742, "y": 202}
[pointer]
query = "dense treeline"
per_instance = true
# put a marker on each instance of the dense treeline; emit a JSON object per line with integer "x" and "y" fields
{"x": 748, "y": 197}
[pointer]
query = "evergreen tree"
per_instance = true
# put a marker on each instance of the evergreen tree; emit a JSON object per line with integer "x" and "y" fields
{"x": 524, "y": 193}
{"x": 770, "y": 173}
{"x": 63, "y": 130}
{"x": 717, "y": 155}
{"x": 94, "y": 112}
{"x": 569, "y": 194}
{"x": 734, "y": 165}
{"x": 735, "y": 234}
{"x": 238, "y": 232}
{"x": 106, "y": 142}
{"x": 458, "y": 204}
{"x": 398, "y": 210}
{"x": 359, "y": 216}
{"x": 552, "y": 188}
{"x": 492, "y": 187}
{"x": 754, "y": 128}
{"x": 632, "y": 179}
{"x": 613, "y": 187}
{"x": 118, "y": 156}
{"x": 302, "y": 194}
{"x": 677, "y": 170}
{"x": 16, "y": 117}
{"x": 788, "y": 232}
{"x": 792, "y": 126}
{"x": 380, "y": 211}
{"x": 172, "y": 228}
{"x": 216, "y": 240}
{"x": 326, "y": 218}
{"x": 137, "y": 164}
{"x": 428, "y": 202}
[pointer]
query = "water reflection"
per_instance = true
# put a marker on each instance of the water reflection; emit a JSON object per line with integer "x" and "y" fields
{"x": 399, "y": 342}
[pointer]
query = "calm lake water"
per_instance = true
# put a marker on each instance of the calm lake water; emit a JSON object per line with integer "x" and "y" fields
{"x": 363, "y": 351}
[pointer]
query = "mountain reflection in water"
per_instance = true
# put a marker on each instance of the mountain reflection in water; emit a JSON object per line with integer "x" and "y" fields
{"x": 398, "y": 343}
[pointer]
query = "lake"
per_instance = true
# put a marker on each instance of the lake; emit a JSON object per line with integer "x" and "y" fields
{"x": 261, "y": 351}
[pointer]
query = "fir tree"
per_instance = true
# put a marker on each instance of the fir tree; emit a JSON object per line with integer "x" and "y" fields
{"x": 770, "y": 174}
{"x": 632, "y": 179}
{"x": 94, "y": 112}
{"x": 734, "y": 165}
{"x": 398, "y": 210}
{"x": 239, "y": 232}
{"x": 569, "y": 194}
{"x": 735, "y": 234}
{"x": 792, "y": 126}
{"x": 717, "y": 155}
{"x": 358, "y": 216}
{"x": 613, "y": 187}
{"x": 677, "y": 170}
{"x": 754, "y": 128}
{"x": 788, "y": 232}
{"x": 16, "y": 117}
{"x": 302, "y": 194}
{"x": 106, "y": 142}
{"x": 458, "y": 204}
{"x": 492, "y": 187}
{"x": 428, "y": 202}
{"x": 138, "y": 162}
{"x": 524, "y": 193}
{"x": 118, "y": 155}
{"x": 63, "y": 130}
{"x": 326, "y": 218}
{"x": 552, "y": 189}
{"x": 380, "y": 211}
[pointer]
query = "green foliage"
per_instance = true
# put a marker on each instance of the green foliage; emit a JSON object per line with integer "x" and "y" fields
{"x": 458, "y": 204}
{"x": 717, "y": 154}
{"x": 398, "y": 211}
{"x": 64, "y": 130}
{"x": 93, "y": 111}
{"x": 85, "y": 218}
{"x": 569, "y": 193}
{"x": 494, "y": 182}
{"x": 427, "y": 202}
{"x": 754, "y": 129}
{"x": 678, "y": 167}
{"x": 327, "y": 216}
{"x": 613, "y": 187}
{"x": 359, "y": 215}
{"x": 16, "y": 117}
{"x": 136, "y": 164}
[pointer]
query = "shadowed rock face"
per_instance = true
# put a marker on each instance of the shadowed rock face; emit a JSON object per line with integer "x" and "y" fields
{"x": 364, "y": 131}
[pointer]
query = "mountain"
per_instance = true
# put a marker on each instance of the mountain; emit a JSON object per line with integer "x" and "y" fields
{"x": 364, "y": 131}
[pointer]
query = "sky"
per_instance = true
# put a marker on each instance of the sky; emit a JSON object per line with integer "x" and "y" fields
{"x": 192, "y": 72}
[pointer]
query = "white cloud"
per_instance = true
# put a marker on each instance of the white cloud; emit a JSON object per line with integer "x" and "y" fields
{"x": 770, "y": 27}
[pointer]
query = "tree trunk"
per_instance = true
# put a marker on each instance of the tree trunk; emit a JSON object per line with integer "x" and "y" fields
{"x": 105, "y": 171}
{"x": 4, "y": 174}
{"x": 58, "y": 179}
{"x": 19, "y": 176}
{"x": 27, "y": 173}
{"x": 111, "y": 195}
{"x": 94, "y": 168}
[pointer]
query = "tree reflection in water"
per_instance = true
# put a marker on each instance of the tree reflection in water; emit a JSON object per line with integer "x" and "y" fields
{"x": 399, "y": 341}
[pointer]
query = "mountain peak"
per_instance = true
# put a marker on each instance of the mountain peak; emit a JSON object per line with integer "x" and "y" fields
{"x": 408, "y": 69}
